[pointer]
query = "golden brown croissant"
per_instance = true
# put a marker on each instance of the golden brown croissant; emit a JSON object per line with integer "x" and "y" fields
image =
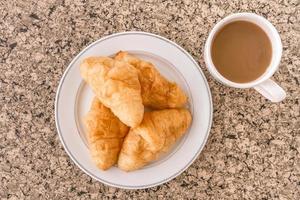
{"x": 116, "y": 85}
{"x": 157, "y": 92}
{"x": 158, "y": 131}
{"x": 105, "y": 134}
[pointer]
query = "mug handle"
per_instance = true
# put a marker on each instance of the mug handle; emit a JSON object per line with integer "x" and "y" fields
{"x": 271, "y": 90}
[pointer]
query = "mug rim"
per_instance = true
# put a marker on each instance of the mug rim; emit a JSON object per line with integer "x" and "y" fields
{"x": 271, "y": 69}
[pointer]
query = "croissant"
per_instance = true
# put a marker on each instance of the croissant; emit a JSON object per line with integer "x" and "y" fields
{"x": 158, "y": 131}
{"x": 105, "y": 134}
{"x": 117, "y": 86}
{"x": 157, "y": 92}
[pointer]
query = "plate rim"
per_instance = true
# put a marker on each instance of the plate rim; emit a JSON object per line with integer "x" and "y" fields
{"x": 165, "y": 40}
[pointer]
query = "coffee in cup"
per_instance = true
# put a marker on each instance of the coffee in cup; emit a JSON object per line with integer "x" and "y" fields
{"x": 243, "y": 50}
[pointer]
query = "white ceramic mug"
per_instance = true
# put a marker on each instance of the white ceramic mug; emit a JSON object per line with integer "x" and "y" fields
{"x": 264, "y": 85}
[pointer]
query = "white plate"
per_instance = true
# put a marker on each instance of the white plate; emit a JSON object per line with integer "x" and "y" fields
{"x": 73, "y": 99}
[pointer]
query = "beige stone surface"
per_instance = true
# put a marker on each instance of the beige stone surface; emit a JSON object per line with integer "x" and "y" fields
{"x": 254, "y": 145}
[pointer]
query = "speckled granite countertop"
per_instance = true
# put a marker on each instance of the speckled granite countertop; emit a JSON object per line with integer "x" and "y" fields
{"x": 254, "y": 145}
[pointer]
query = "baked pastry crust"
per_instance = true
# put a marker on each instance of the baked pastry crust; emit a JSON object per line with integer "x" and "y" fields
{"x": 105, "y": 134}
{"x": 117, "y": 86}
{"x": 158, "y": 131}
{"x": 157, "y": 91}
